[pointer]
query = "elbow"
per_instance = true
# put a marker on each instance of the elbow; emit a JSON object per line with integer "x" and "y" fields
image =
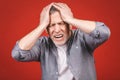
{"x": 15, "y": 55}
{"x": 107, "y": 32}
{"x": 103, "y": 30}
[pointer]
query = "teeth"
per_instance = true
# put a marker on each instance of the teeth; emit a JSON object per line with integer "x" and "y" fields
{"x": 58, "y": 36}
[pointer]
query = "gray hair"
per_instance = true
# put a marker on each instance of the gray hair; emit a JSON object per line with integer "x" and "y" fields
{"x": 52, "y": 10}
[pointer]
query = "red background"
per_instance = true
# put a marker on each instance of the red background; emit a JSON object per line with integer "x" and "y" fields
{"x": 19, "y": 17}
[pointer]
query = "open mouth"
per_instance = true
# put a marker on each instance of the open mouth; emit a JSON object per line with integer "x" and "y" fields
{"x": 58, "y": 36}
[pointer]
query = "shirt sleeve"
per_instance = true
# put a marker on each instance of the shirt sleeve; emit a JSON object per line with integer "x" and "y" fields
{"x": 98, "y": 36}
{"x": 27, "y": 55}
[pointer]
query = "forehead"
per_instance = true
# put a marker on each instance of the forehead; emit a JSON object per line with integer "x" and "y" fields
{"x": 55, "y": 17}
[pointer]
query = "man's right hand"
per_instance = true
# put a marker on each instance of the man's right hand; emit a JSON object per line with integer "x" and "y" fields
{"x": 44, "y": 16}
{"x": 30, "y": 39}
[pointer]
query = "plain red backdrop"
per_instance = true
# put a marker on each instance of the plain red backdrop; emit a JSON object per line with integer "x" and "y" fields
{"x": 19, "y": 17}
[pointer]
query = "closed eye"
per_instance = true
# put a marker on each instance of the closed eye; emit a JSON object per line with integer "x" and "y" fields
{"x": 61, "y": 23}
{"x": 52, "y": 25}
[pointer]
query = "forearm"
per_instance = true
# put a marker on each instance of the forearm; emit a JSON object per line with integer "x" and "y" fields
{"x": 98, "y": 36}
{"x": 26, "y": 55}
{"x": 29, "y": 40}
{"x": 84, "y": 25}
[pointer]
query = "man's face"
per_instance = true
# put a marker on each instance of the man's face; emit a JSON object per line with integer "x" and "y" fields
{"x": 58, "y": 30}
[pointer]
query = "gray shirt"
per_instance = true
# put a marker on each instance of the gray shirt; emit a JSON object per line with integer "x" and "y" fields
{"x": 80, "y": 48}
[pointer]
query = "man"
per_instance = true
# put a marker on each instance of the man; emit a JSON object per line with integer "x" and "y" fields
{"x": 65, "y": 54}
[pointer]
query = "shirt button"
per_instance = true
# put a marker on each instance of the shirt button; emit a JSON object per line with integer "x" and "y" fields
{"x": 76, "y": 46}
{"x": 56, "y": 73}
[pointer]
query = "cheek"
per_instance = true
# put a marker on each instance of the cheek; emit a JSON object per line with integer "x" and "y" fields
{"x": 50, "y": 32}
{"x": 65, "y": 30}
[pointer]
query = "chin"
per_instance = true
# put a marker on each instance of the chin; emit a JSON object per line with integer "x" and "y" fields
{"x": 59, "y": 43}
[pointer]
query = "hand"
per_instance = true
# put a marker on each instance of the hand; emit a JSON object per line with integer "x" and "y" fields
{"x": 65, "y": 11}
{"x": 44, "y": 16}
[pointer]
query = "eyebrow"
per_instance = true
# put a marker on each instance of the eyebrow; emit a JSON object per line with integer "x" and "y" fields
{"x": 57, "y": 22}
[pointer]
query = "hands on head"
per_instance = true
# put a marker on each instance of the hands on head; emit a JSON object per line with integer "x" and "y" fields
{"x": 64, "y": 10}
{"x": 66, "y": 15}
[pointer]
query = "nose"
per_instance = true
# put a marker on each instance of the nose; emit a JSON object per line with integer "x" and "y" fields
{"x": 57, "y": 28}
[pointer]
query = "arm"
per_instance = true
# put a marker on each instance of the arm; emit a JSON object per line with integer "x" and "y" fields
{"x": 99, "y": 35}
{"x": 29, "y": 40}
{"x": 84, "y": 25}
{"x": 66, "y": 14}
{"x": 94, "y": 33}
{"x": 28, "y": 48}
{"x": 27, "y": 55}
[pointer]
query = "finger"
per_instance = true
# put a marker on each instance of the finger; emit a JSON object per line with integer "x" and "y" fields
{"x": 62, "y": 5}
{"x": 45, "y": 11}
{"x": 57, "y": 6}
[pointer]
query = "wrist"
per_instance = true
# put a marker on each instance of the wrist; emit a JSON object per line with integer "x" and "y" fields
{"x": 70, "y": 21}
{"x": 41, "y": 27}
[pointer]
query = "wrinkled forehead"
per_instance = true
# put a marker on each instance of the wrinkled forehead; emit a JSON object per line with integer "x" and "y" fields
{"x": 55, "y": 18}
{"x": 53, "y": 15}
